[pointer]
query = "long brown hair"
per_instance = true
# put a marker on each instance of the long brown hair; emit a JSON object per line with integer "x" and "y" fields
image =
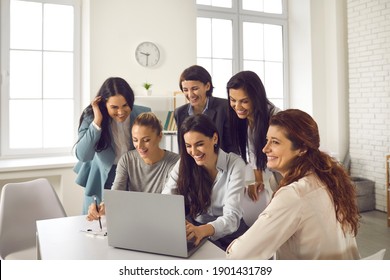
{"x": 301, "y": 129}
{"x": 194, "y": 182}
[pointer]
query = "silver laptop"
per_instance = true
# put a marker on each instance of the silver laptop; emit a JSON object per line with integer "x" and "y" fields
{"x": 147, "y": 222}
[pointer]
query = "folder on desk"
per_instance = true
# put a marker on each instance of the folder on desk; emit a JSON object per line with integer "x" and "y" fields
{"x": 147, "y": 222}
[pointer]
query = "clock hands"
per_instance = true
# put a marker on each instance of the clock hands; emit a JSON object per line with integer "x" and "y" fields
{"x": 147, "y": 57}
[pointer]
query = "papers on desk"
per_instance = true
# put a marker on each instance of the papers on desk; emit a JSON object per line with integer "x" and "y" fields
{"x": 94, "y": 233}
{"x": 92, "y": 228}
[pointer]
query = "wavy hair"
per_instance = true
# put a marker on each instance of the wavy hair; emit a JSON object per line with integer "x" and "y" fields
{"x": 254, "y": 88}
{"x": 301, "y": 129}
{"x": 194, "y": 182}
{"x": 111, "y": 87}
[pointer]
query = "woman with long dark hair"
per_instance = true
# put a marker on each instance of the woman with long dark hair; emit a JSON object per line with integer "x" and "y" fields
{"x": 314, "y": 213}
{"x": 104, "y": 135}
{"x": 211, "y": 181}
{"x": 249, "y": 115}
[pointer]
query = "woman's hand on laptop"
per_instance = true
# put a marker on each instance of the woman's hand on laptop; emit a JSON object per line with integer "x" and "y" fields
{"x": 93, "y": 214}
{"x": 197, "y": 233}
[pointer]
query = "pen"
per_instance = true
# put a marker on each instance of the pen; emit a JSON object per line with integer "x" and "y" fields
{"x": 97, "y": 209}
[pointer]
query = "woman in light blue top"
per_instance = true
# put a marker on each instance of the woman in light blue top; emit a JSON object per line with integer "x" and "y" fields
{"x": 104, "y": 136}
{"x": 211, "y": 181}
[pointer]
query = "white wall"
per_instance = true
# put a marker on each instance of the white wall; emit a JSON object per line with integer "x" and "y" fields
{"x": 369, "y": 91}
{"x": 118, "y": 26}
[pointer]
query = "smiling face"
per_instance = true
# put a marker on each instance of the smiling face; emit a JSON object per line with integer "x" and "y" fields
{"x": 279, "y": 150}
{"x": 195, "y": 92}
{"x": 117, "y": 108}
{"x": 146, "y": 141}
{"x": 240, "y": 103}
{"x": 201, "y": 148}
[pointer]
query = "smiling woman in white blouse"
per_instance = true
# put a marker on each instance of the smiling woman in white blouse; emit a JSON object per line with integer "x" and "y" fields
{"x": 313, "y": 215}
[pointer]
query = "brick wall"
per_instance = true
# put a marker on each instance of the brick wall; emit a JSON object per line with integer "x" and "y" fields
{"x": 369, "y": 90}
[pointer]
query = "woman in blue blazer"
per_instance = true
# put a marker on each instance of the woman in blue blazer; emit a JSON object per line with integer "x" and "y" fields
{"x": 104, "y": 134}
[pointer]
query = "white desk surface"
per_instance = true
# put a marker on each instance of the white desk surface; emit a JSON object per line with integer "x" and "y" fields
{"x": 63, "y": 239}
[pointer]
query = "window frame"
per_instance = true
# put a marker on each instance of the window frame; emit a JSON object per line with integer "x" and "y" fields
{"x": 5, "y": 150}
{"x": 238, "y": 16}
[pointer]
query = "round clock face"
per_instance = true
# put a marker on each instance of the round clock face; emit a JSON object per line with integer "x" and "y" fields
{"x": 147, "y": 54}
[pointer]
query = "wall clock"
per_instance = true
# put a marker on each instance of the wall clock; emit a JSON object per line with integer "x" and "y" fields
{"x": 147, "y": 54}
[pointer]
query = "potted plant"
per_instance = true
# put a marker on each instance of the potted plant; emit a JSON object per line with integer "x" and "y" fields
{"x": 147, "y": 86}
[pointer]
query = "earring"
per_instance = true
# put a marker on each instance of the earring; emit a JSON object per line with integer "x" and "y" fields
{"x": 215, "y": 146}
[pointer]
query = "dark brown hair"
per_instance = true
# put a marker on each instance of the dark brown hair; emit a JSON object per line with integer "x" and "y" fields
{"x": 197, "y": 73}
{"x": 194, "y": 182}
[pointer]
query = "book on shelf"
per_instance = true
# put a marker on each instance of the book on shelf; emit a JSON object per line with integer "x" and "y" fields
{"x": 166, "y": 124}
{"x": 170, "y": 123}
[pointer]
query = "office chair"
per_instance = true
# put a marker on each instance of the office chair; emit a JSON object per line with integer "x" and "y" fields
{"x": 252, "y": 209}
{"x": 21, "y": 205}
{"x": 376, "y": 256}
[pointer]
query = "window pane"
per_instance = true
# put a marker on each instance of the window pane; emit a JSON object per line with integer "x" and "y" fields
{"x": 58, "y": 75}
{"x": 25, "y": 74}
{"x": 255, "y": 66}
{"x": 222, "y": 71}
{"x": 253, "y": 5}
{"x": 58, "y": 27}
{"x": 266, "y": 6}
{"x": 26, "y": 25}
{"x": 25, "y": 124}
{"x": 273, "y": 6}
{"x": 273, "y": 42}
{"x": 222, "y": 38}
{"x": 203, "y": 36}
{"x": 222, "y": 3}
{"x": 206, "y": 63}
{"x": 274, "y": 79}
{"x": 253, "y": 41}
{"x": 203, "y": 2}
{"x": 56, "y": 129}
{"x": 215, "y": 3}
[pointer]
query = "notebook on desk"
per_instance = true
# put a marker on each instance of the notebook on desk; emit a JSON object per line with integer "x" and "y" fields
{"x": 147, "y": 222}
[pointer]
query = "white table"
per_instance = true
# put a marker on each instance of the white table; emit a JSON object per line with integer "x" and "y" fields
{"x": 63, "y": 239}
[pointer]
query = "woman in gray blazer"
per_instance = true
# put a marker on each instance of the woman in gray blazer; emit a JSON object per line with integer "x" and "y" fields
{"x": 195, "y": 82}
{"x": 104, "y": 135}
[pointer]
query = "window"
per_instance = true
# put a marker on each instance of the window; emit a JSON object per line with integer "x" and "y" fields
{"x": 241, "y": 35}
{"x": 40, "y": 84}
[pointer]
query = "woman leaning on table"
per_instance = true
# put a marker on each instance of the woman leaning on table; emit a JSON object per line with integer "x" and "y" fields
{"x": 313, "y": 215}
{"x": 249, "y": 114}
{"x": 211, "y": 181}
{"x": 145, "y": 169}
{"x": 104, "y": 136}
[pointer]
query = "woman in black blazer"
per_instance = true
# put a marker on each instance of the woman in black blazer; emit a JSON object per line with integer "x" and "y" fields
{"x": 196, "y": 84}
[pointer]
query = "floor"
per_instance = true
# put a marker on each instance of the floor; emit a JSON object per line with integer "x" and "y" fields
{"x": 373, "y": 234}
